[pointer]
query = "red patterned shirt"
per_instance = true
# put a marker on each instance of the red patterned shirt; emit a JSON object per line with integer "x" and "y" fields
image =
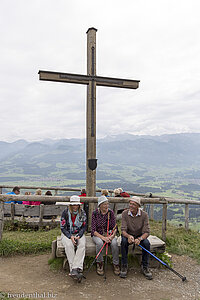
{"x": 100, "y": 221}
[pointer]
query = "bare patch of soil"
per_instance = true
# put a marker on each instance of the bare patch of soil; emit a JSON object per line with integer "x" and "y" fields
{"x": 31, "y": 274}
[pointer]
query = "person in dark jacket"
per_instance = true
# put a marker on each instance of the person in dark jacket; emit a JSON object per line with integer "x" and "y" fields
{"x": 73, "y": 226}
{"x": 116, "y": 193}
{"x": 48, "y": 193}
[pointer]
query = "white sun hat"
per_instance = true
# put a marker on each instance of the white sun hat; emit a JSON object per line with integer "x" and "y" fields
{"x": 102, "y": 199}
{"x": 74, "y": 200}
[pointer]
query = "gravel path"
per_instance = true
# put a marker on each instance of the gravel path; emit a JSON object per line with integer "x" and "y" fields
{"x": 30, "y": 274}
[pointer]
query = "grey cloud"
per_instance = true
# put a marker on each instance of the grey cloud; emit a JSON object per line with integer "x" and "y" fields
{"x": 155, "y": 42}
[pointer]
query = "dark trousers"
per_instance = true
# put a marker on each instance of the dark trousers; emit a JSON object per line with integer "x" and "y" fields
{"x": 124, "y": 251}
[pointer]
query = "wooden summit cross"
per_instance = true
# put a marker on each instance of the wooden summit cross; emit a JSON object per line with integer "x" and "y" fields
{"x": 91, "y": 80}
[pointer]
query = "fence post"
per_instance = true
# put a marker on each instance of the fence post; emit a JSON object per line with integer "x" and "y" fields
{"x": 1, "y": 218}
{"x": 12, "y": 212}
{"x": 187, "y": 216}
{"x": 41, "y": 215}
{"x": 56, "y": 192}
{"x": 164, "y": 222}
{"x": 144, "y": 207}
{"x": 1, "y": 190}
{"x": 115, "y": 209}
{"x": 151, "y": 211}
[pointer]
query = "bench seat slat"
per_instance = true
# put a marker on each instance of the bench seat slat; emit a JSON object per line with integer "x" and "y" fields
{"x": 157, "y": 245}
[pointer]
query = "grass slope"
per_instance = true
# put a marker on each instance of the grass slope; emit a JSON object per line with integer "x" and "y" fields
{"x": 179, "y": 241}
{"x": 30, "y": 242}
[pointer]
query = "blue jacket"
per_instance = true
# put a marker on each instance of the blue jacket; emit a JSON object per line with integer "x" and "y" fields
{"x": 12, "y": 193}
{"x": 65, "y": 224}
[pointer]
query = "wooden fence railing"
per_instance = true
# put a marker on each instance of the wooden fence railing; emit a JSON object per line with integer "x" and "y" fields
{"x": 62, "y": 189}
{"x": 56, "y": 189}
{"x": 69, "y": 189}
{"x": 115, "y": 200}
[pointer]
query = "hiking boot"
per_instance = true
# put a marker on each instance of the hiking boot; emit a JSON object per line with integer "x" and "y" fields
{"x": 73, "y": 273}
{"x": 79, "y": 270}
{"x": 146, "y": 272}
{"x": 124, "y": 271}
{"x": 80, "y": 275}
{"x": 116, "y": 269}
{"x": 100, "y": 270}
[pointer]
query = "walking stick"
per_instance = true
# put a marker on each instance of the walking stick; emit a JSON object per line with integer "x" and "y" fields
{"x": 106, "y": 259}
{"x": 99, "y": 253}
{"x": 162, "y": 262}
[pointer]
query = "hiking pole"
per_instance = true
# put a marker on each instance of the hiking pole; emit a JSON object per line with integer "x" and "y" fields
{"x": 99, "y": 253}
{"x": 163, "y": 263}
{"x": 106, "y": 259}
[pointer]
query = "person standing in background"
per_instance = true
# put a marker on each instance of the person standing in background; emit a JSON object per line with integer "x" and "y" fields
{"x": 123, "y": 194}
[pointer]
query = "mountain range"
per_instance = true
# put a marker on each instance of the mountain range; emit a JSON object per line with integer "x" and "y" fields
{"x": 47, "y": 157}
{"x": 175, "y": 149}
{"x": 165, "y": 165}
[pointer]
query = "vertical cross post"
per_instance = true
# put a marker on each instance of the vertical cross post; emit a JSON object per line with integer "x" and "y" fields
{"x": 1, "y": 218}
{"x": 91, "y": 117}
{"x": 91, "y": 80}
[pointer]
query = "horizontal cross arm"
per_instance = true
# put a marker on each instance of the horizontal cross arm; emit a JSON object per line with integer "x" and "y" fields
{"x": 63, "y": 77}
{"x": 85, "y": 79}
{"x": 117, "y": 82}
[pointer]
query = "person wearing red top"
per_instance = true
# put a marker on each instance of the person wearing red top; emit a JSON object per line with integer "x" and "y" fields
{"x": 27, "y": 202}
{"x": 38, "y": 192}
{"x": 83, "y": 193}
{"x": 100, "y": 231}
{"x": 123, "y": 194}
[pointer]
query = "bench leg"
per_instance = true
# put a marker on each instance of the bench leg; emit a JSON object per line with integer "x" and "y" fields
{"x": 65, "y": 264}
{"x": 53, "y": 249}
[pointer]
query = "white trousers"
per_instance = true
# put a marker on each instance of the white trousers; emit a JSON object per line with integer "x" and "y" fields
{"x": 75, "y": 259}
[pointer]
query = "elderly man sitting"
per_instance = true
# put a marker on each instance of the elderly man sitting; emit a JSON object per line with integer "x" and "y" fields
{"x": 135, "y": 230}
{"x": 73, "y": 225}
{"x": 101, "y": 218}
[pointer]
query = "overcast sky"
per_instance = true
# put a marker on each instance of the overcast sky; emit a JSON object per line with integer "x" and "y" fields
{"x": 156, "y": 42}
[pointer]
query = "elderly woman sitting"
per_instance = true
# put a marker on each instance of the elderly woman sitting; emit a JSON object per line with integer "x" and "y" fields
{"x": 73, "y": 225}
{"x": 100, "y": 218}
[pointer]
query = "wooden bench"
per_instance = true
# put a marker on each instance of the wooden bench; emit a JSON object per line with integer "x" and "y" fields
{"x": 33, "y": 215}
{"x": 157, "y": 245}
